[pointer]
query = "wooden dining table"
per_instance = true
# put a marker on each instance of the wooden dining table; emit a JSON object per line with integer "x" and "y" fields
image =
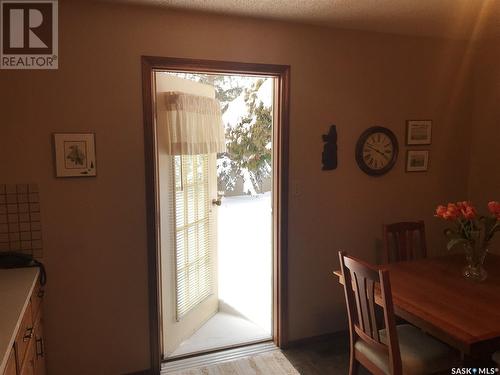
{"x": 433, "y": 295}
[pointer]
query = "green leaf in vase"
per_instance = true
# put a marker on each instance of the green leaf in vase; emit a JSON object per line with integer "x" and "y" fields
{"x": 455, "y": 241}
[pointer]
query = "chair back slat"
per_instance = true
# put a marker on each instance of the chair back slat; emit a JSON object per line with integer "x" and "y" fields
{"x": 363, "y": 292}
{"x": 403, "y": 237}
{"x": 410, "y": 241}
{"x": 362, "y": 303}
{"x": 361, "y": 281}
{"x": 371, "y": 306}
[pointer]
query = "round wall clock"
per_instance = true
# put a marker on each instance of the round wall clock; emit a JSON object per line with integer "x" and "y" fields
{"x": 376, "y": 151}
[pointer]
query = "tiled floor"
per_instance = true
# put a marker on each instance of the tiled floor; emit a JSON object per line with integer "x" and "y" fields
{"x": 329, "y": 355}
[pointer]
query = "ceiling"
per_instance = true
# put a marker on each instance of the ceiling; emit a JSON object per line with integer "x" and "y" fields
{"x": 461, "y": 19}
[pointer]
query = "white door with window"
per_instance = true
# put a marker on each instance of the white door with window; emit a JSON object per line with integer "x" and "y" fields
{"x": 187, "y": 186}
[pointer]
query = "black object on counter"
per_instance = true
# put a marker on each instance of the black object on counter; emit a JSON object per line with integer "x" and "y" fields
{"x": 13, "y": 259}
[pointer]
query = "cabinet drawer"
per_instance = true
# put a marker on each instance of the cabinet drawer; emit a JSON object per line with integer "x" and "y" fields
{"x": 28, "y": 368}
{"x": 39, "y": 347}
{"x": 23, "y": 338}
{"x": 36, "y": 299}
{"x": 10, "y": 369}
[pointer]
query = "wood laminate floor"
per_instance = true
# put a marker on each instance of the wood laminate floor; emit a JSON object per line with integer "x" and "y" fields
{"x": 272, "y": 363}
{"x": 328, "y": 355}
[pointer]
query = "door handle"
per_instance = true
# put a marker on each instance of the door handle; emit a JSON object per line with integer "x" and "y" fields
{"x": 28, "y": 334}
{"x": 39, "y": 344}
{"x": 218, "y": 201}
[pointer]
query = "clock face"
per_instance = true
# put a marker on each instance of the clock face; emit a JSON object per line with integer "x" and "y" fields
{"x": 376, "y": 151}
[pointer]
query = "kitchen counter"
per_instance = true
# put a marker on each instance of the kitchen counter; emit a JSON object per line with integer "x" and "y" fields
{"x": 16, "y": 286}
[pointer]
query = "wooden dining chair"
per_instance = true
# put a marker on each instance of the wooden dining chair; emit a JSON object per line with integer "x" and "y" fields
{"x": 400, "y": 240}
{"x": 496, "y": 358}
{"x": 393, "y": 350}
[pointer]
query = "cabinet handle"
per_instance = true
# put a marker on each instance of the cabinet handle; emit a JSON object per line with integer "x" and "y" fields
{"x": 28, "y": 334}
{"x": 40, "y": 353}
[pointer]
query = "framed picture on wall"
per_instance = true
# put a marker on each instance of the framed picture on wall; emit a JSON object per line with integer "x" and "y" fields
{"x": 418, "y": 132}
{"x": 417, "y": 161}
{"x": 75, "y": 154}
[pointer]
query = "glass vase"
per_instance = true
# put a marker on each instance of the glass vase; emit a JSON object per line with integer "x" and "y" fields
{"x": 475, "y": 255}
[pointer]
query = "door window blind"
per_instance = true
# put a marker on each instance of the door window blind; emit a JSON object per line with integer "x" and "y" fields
{"x": 193, "y": 263}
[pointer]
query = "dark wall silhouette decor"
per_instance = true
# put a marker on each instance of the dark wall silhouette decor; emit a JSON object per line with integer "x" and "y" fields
{"x": 329, "y": 156}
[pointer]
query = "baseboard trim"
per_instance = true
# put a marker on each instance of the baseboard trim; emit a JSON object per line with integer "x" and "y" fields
{"x": 317, "y": 338}
{"x": 142, "y": 372}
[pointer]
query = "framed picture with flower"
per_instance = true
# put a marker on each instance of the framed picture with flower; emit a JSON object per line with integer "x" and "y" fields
{"x": 417, "y": 161}
{"x": 418, "y": 132}
{"x": 75, "y": 154}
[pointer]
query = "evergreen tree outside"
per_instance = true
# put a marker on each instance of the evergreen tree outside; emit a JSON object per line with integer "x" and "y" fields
{"x": 248, "y": 156}
{"x": 248, "y": 146}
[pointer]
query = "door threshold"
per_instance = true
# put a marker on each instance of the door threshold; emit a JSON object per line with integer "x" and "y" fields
{"x": 216, "y": 356}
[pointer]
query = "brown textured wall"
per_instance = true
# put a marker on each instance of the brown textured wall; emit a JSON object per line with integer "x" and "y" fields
{"x": 94, "y": 229}
{"x": 484, "y": 177}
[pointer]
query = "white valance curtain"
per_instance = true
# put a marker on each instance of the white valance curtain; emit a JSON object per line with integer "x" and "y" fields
{"x": 193, "y": 123}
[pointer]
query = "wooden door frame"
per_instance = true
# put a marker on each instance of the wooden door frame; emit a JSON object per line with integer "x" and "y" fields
{"x": 150, "y": 64}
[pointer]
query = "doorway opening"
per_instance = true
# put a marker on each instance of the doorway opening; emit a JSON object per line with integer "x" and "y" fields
{"x": 216, "y": 155}
{"x": 215, "y": 161}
